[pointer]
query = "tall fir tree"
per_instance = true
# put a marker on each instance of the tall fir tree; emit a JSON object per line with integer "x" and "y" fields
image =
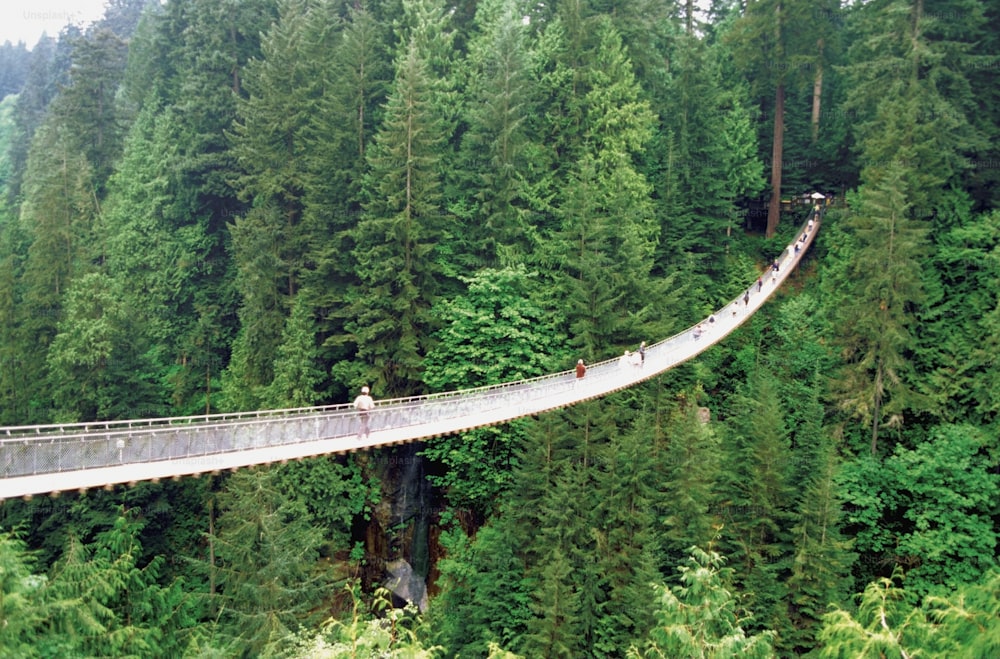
{"x": 397, "y": 264}
{"x": 876, "y": 318}
{"x": 493, "y": 185}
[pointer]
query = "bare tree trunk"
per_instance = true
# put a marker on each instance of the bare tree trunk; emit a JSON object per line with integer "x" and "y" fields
{"x": 774, "y": 208}
{"x": 877, "y": 405}
{"x": 211, "y": 554}
{"x": 817, "y": 91}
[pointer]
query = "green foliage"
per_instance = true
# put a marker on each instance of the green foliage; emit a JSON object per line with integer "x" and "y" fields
{"x": 22, "y": 608}
{"x": 887, "y": 625}
{"x": 968, "y": 617}
{"x": 926, "y": 509}
{"x": 948, "y": 491}
{"x": 297, "y": 373}
{"x": 397, "y": 266}
{"x": 911, "y": 95}
{"x": 955, "y": 339}
{"x": 874, "y": 322}
{"x": 104, "y": 602}
{"x": 333, "y": 490}
{"x": 485, "y": 595}
{"x": 690, "y": 465}
{"x": 160, "y": 258}
{"x": 266, "y": 581}
{"x": 383, "y": 632}
{"x": 699, "y": 617}
{"x": 496, "y": 172}
{"x": 261, "y": 203}
{"x": 97, "y": 369}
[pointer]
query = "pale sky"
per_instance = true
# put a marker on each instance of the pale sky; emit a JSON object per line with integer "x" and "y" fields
{"x": 25, "y": 20}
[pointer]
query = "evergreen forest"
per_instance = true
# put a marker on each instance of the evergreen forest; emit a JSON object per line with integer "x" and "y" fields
{"x": 224, "y": 205}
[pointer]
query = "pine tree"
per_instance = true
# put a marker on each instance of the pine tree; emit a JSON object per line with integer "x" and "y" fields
{"x": 297, "y": 373}
{"x": 689, "y": 475}
{"x": 912, "y": 97}
{"x": 86, "y": 107}
{"x": 820, "y": 570}
{"x": 886, "y": 625}
{"x": 265, "y": 547}
{"x": 876, "y": 316}
{"x": 705, "y": 157}
{"x": 554, "y": 632}
{"x": 492, "y": 183}
{"x": 105, "y": 603}
{"x": 97, "y": 369}
{"x": 770, "y": 41}
{"x": 396, "y": 239}
{"x": 626, "y": 548}
{"x": 484, "y": 592}
{"x": 700, "y": 617}
{"x": 759, "y": 498}
{"x": 23, "y": 608}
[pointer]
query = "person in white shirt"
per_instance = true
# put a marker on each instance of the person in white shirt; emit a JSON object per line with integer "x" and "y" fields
{"x": 364, "y": 405}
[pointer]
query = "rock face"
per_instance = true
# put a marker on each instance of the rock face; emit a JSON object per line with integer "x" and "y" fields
{"x": 405, "y": 584}
{"x": 399, "y": 528}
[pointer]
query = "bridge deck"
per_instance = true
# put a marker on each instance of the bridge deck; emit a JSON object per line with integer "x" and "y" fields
{"x": 54, "y": 458}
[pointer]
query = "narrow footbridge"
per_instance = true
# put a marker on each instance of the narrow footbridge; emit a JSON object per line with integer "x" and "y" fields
{"x": 74, "y": 457}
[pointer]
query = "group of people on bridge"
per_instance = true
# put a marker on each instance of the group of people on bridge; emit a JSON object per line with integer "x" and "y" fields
{"x": 364, "y": 403}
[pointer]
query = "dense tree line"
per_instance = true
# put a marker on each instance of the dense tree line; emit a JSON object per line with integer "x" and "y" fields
{"x": 217, "y": 206}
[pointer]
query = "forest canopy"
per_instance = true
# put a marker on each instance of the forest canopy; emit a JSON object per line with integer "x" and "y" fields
{"x": 260, "y": 204}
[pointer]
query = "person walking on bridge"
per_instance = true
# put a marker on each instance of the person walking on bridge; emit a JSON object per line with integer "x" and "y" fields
{"x": 363, "y": 404}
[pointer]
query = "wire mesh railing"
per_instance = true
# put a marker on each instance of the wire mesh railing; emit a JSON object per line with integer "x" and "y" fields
{"x": 190, "y": 442}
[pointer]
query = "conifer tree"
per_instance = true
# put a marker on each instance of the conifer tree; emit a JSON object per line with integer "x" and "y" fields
{"x": 701, "y": 617}
{"x": 266, "y": 547}
{"x": 820, "y": 570}
{"x": 953, "y": 345}
{"x": 397, "y": 263}
{"x": 105, "y": 602}
{"x": 759, "y": 498}
{"x": 97, "y": 369}
{"x": 161, "y": 258}
{"x": 86, "y": 107}
{"x": 769, "y": 41}
{"x": 876, "y": 316}
{"x": 554, "y": 632}
{"x": 913, "y": 99}
{"x": 484, "y": 592}
{"x": 297, "y": 373}
{"x": 689, "y": 474}
{"x": 626, "y": 548}
{"x": 23, "y": 608}
{"x": 47, "y": 71}
{"x": 705, "y": 157}
{"x": 886, "y": 625}
{"x": 494, "y": 179}
{"x": 57, "y": 218}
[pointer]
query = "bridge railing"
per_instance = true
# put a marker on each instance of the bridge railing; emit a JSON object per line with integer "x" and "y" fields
{"x": 56, "y": 448}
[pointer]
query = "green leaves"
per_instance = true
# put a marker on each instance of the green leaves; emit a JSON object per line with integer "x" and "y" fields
{"x": 699, "y": 617}
{"x": 926, "y": 509}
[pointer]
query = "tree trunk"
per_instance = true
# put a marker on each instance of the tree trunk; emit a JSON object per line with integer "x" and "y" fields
{"x": 774, "y": 208}
{"x": 211, "y": 555}
{"x": 877, "y": 405}
{"x": 817, "y": 90}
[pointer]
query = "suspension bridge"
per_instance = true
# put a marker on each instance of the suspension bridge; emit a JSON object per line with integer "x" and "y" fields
{"x": 58, "y": 458}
